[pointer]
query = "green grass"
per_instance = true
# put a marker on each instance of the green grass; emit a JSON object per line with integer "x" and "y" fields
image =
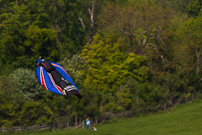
{"x": 185, "y": 119}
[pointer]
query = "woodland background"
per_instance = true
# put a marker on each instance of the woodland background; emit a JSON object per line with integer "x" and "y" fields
{"x": 127, "y": 57}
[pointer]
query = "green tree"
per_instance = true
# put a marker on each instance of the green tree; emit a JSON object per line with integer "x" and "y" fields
{"x": 176, "y": 5}
{"x": 41, "y": 42}
{"x": 21, "y": 39}
{"x": 149, "y": 96}
{"x": 10, "y": 102}
{"x": 15, "y": 110}
{"x": 27, "y": 84}
{"x": 32, "y": 28}
{"x": 189, "y": 52}
{"x": 147, "y": 29}
{"x": 194, "y": 8}
{"x": 172, "y": 85}
{"x": 63, "y": 16}
{"x": 35, "y": 113}
{"x": 107, "y": 70}
{"x": 142, "y": 24}
{"x": 124, "y": 98}
{"x": 108, "y": 66}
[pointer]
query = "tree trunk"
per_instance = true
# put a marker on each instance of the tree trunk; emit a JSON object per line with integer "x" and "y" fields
{"x": 62, "y": 125}
{"x": 67, "y": 122}
{"x": 53, "y": 126}
{"x": 192, "y": 96}
{"x": 83, "y": 124}
{"x": 75, "y": 120}
{"x": 165, "y": 107}
{"x": 170, "y": 101}
{"x": 11, "y": 130}
{"x": 96, "y": 120}
{"x": 198, "y": 62}
{"x": 92, "y": 21}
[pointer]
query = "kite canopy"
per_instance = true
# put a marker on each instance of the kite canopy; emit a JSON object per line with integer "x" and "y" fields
{"x": 49, "y": 80}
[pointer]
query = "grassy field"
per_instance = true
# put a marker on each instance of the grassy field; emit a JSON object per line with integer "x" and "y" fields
{"x": 185, "y": 119}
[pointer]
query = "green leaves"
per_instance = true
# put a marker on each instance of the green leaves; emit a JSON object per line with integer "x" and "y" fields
{"x": 149, "y": 93}
{"x": 137, "y": 66}
{"x": 41, "y": 42}
{"x": 108, "y": 66}
{"x": 194, "y": 8}
{"x": 124, "y": 99}
{"x": 136, "y": 42}
{"x": 37, "y": 28}
{"x": 27, "y": 84}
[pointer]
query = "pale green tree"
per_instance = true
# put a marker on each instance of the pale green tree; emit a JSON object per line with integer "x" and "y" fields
{"x": 27, "y": 84}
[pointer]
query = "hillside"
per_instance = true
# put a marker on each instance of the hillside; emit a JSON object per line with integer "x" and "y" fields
{"x": 123, "y": 56}
{"x": 185, "y": 119}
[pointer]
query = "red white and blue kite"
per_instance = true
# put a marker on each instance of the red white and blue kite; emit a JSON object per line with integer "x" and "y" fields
{"x": 55, "y": 78}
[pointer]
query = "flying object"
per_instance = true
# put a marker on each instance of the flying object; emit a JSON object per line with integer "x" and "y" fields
{"x": 55, "y": 78}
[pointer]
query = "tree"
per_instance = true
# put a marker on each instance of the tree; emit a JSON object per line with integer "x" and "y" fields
{"x": 107, "y": 65}
{"x": 10, "y": 102}
{"x": 16, "y": 111}
{"x": 32, "y": 28}
{"x": 20, "y": 42}
{"x": 172, "y": 85}
{"x": 41, "y": 42}
{"x": 175, "y": 5}
{"x": 143, "y": 24}
{"x": 27, "y": 84}
{"x": 35, "y": 113}
{"x": 107, "y": 70}
{"x": 194, "y": 8}
{"x": 189, "y": 53}
{"x": 149, "y": 96}
{"x": 63, "y": 16}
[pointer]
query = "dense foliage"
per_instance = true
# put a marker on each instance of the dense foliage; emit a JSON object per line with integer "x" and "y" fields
{"x": 142, "y": 56}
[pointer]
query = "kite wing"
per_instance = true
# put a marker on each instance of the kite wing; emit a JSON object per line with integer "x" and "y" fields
{"x": 63, "y": 72}
{"x": 46, "y": 80}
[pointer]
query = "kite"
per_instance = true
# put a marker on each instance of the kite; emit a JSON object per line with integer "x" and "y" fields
{"x": 55, "y": 78}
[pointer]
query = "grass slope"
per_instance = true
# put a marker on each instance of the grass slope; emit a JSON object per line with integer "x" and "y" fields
{"x": 181, "y": 120}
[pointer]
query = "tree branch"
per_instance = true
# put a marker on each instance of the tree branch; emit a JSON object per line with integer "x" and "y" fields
{"x": 155, "y": 47}
{"x": 81, "y": 20}
{"x": 91, "y": 12}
